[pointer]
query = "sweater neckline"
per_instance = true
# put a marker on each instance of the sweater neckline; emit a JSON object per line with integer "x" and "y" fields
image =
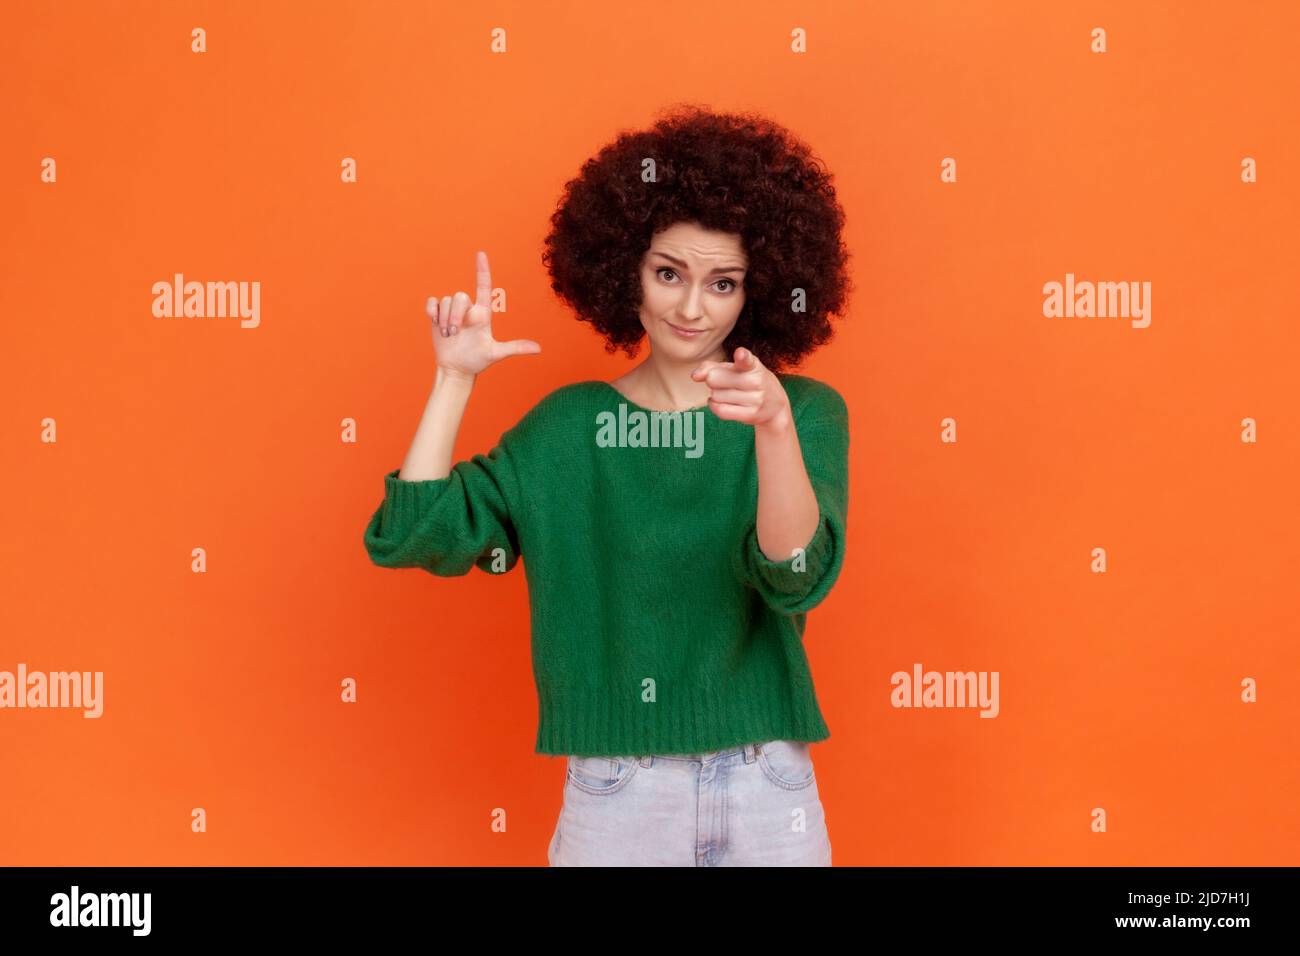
{"x": 656, "y": 411}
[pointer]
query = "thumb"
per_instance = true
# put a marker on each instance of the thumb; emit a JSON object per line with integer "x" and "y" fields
{"x": 703, "y": 369}
{"x": 516, "y": 347}
{"x": 746, "y": 361}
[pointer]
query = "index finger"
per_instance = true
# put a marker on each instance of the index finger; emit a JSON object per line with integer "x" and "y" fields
{"x": 484, "y": 291}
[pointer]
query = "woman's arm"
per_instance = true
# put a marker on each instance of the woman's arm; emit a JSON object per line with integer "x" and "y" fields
{"x": 792, "y": 552}
{"x": 462, "y": 339}
{"x": 435, "y": 516}
{"x": 429, "y": 456}
{"x": 743, "y": 390}
{"x": 787, "y": 507}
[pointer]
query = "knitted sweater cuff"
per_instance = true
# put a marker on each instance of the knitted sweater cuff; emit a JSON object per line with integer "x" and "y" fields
{"x": 786, "y": 584}
{"x": 445, "y": 525}
{"x": 406, "y": 501}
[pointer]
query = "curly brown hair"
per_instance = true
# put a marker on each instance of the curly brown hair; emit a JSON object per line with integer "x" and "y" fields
{"x": 733, "y": 172}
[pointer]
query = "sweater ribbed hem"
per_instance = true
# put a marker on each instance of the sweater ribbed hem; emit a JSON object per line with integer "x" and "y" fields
{"x": 588, "y": 721}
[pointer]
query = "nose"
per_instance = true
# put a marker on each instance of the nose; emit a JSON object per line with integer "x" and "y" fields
{"x": 692, "y": 304}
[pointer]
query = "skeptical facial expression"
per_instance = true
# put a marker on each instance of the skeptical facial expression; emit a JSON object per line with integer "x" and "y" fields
{"x": 692, "y": 290}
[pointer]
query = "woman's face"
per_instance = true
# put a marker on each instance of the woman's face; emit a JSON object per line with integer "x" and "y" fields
{"x": 692, "y": 291}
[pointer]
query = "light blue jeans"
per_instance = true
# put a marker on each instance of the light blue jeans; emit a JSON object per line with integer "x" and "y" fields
{"x": 752, "y": 805}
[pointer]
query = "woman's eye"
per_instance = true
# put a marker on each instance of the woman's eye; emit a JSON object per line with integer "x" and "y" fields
{"x": 730, "y": 283}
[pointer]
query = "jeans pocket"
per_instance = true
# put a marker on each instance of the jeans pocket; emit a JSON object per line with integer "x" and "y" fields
{"x": 601, "y": 775}
{"x": 787, "y": 763}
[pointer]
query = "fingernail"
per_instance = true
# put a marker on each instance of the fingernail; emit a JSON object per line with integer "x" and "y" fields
{"x": 453, "y": 329}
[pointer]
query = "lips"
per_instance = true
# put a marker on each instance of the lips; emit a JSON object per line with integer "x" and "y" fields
{"x": 684, "y": 333}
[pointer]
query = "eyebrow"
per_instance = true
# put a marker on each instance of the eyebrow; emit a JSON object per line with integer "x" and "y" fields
{"x": 681, "y": 265}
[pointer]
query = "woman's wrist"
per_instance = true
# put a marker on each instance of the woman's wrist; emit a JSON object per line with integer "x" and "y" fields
{"x": 446, "y": 378}
{"x": 780, "y": 425}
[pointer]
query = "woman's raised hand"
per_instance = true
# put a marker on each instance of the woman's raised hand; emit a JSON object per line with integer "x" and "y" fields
{"x": 462, "y": 332}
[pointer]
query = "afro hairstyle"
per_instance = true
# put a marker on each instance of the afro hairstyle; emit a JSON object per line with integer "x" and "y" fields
{"x": 732, "y": 172}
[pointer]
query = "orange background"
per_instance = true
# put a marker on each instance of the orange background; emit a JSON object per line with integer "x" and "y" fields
{"x": 1118, "y": 690}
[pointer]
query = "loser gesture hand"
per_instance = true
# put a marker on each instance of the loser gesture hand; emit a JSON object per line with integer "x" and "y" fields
{"x": 462, "y": 332}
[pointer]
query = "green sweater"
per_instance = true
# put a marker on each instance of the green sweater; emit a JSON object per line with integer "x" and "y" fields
{"x": 658, "y": 625}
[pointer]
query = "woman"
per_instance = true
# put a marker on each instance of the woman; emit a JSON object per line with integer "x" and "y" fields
{"x": 678, "y": 522}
